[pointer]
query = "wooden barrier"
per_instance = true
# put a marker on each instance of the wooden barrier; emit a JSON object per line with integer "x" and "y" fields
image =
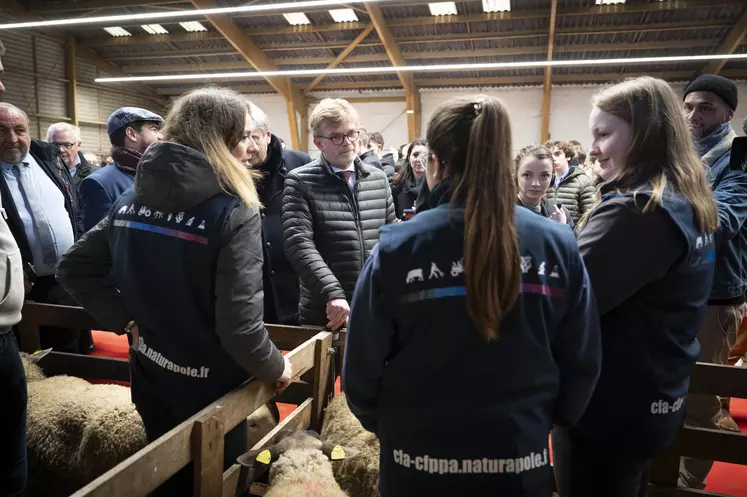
{"x": 702, "y": 443}
{"x": 199, "y": 439}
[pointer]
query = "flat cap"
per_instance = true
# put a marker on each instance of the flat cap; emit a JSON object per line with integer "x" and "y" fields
{"x": 126, "y": 115}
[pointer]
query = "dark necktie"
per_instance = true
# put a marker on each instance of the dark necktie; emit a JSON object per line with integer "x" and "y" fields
{"x": 345, "y": 175}
{"x": 43, "y": 229}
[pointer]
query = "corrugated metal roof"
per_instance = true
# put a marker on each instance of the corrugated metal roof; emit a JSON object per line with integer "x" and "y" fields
{"x": 583, "y": 32}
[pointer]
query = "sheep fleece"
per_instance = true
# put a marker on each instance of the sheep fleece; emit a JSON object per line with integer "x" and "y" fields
{"x": 77, "y": 431}
{"x": 303, "y": 473}
{"x": 359, "y": 476}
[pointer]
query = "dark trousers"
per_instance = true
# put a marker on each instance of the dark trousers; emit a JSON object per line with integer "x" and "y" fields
{"x": 590, "y": 468}
{"x": 159, "y": 418}
{"x": 75, "y": 341}
{"x": 13, "y": 463}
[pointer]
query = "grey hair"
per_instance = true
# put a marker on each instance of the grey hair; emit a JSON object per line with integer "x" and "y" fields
{"x": 7, "y": 106}
{"x": 259, "y": 118}
{"x": 74, "y": 130}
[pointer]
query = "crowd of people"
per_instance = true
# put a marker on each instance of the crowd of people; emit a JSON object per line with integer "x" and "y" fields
{"x": 489, "y": 299}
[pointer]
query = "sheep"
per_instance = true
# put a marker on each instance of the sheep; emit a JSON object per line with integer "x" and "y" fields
{"x": 77, "y": 430}
{"x": 299, "y": 465}
{"x": 359, "y": 476}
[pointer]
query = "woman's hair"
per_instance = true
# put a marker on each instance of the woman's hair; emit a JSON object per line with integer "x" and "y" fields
{"x": 471, "y": 136}
{"x": 536, "y": 151}
{"x": 660, "y": 148}
{"x": 212, "y": 120}
{"x": 405, "y": 170}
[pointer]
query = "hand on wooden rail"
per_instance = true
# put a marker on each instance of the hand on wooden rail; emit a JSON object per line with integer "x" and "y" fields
{"x": 286, "y": 378}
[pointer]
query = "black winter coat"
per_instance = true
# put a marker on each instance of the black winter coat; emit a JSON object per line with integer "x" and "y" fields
{"x": 279, "y": 278}
{"x": 329, "y": 231}
{"x": 369, "y": 157}
{"x": 388, "y": 166}
{"x": 48, "y": 157}
{"x": 405, "y": 195}
{"x": 85, "y": 169}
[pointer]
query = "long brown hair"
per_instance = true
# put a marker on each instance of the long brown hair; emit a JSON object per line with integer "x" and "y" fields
{"x": 660, "y": 148}
{"x": 405, "y": 170}
{"x": 471, "y": 136}
{"x": 212, "y": 120}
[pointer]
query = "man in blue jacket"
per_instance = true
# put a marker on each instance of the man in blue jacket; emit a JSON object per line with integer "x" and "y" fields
{"x": 131, "y": 130}
{"x": 710, "y": 103}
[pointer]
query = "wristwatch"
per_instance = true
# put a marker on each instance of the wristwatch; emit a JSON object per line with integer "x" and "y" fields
{"x": 128, "y": 327}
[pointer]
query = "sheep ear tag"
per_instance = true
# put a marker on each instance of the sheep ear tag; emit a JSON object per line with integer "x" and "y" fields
{"x": 39, "y": 355}
{"x": 337, "y": 453}
{"x": 264, "y": 457}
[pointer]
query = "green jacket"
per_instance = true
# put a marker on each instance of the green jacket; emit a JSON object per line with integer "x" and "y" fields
{"x": 576, "y": 193}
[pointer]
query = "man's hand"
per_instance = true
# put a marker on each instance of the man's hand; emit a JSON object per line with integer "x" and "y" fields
{"x": 337, "y": 313}
{"x": 286, "y": 378}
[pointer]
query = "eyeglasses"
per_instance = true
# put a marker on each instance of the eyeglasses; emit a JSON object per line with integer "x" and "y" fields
{"x": 338, "y": 139}
{"x": 66, "y": 146}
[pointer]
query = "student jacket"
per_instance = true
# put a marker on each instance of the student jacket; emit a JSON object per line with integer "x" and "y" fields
{"x": 652, "y": 299}
{"x": 186, "y": 265}
{"x": 440, "y": 397}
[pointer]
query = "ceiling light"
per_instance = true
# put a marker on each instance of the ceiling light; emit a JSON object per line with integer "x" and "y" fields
{"x": 117, "y": 31}
{"x": 193, "y": 26}
{"x": 296, "y": 18}
{"x": 428, "y": 68}
{"x": 496, "y": 5}
{"x": 343, "y": 15}
{"x": 608, "y": 2}
{"x": 269, "y": 7}
{"x": 410, "y": 111}
{"x": 155, "y": 29}
{"x": 443, "y": 9}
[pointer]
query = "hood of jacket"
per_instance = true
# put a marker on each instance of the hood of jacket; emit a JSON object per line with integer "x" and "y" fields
{"x": 172, "y": 177}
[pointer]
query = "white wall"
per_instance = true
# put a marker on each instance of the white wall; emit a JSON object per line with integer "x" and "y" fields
{"x": 569, "y": 112}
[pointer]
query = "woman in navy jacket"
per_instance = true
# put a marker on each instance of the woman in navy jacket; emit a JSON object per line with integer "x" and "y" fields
{"x": 473, "y": 326}
{"x": 649, "y": 251}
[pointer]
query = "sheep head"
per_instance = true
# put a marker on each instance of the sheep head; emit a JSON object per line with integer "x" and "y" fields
{"x": 290, "y": 440}
{"x": 31, "y": 367}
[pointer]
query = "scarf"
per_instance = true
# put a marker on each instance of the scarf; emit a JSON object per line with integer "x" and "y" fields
{"x": 126, "y": 158}
{"x": 713, "y": 146}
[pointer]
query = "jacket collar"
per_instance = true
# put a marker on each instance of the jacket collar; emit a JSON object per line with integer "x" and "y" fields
{"x": 357, "y": 163}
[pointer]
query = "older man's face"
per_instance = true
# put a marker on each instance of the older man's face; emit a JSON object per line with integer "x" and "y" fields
{"x": 14, "y": 136}
{"x": 69, "y": 147}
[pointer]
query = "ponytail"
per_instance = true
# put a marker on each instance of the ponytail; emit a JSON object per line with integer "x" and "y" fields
{"x": 482, "y": 173}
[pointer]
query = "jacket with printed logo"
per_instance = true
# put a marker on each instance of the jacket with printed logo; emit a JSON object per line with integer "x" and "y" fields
{"x": 419, "y": 374}
{"x": 186, "y": 266}
{"x": 652, "y": 299}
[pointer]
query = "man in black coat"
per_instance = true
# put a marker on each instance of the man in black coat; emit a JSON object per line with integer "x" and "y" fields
{"x": 41, "y": 205}
{"x": 66, "y": 138}
{"x": 268, "y": 156}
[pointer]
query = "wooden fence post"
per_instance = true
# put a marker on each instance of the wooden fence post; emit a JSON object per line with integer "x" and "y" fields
{"x": 207, "y": 446}
{"x": 320, "y": 389}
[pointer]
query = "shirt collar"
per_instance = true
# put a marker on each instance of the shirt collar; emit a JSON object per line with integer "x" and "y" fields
{"x": 24, "y": 161}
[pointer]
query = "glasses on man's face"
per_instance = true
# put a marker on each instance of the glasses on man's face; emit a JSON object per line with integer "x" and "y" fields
{"x": 338, "y": 139}
{"x": 66, "y": 146}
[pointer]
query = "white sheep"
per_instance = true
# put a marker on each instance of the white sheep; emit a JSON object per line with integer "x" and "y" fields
{"x": 77, "y": 430}
{"x": 299, "y": 465}
{"x": 358, "y": 476}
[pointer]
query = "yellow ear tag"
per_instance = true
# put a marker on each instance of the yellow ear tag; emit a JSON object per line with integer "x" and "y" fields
{"x": 337, "y": 453}
{"x": 264, "y": 457}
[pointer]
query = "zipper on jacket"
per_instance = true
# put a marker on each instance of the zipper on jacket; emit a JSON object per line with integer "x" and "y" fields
{"x": 358, "y": 222}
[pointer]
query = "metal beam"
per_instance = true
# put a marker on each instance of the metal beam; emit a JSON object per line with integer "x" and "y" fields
{"x": 47, "y": 8}
{"x": 547, "y": 87}
{"x": 534, "y": 80}
{"x": 342, "y": 55}
{"x": 441, "y": 38}
{"x": 431, "y": 54}
{"x": 733, "y": 39}
{"x": 72, "y": 81}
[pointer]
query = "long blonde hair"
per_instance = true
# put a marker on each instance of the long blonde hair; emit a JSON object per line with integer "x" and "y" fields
{"x": 661, "y": 148}
{"x": 471, "y": 136}
{"x": 212, "y": 120}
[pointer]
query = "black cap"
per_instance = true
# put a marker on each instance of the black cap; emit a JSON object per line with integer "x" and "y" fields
{"x": 724, "y": 88}
{"x": 126, "y": 115}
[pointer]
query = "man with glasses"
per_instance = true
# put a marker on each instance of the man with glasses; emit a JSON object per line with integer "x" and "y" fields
{"x": 66, "y": 138}
{"x": 332, "y": 211}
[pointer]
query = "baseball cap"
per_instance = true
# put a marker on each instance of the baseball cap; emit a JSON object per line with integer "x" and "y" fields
{"x": 126, "y": 115}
